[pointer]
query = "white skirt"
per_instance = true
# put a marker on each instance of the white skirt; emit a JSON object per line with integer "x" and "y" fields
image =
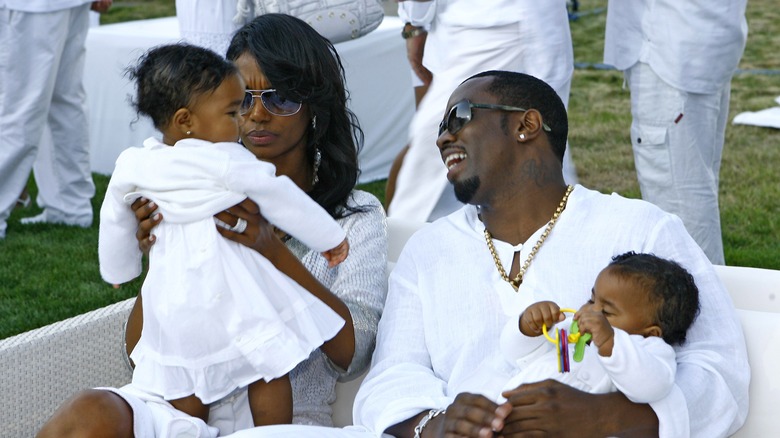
{"x": 219, "y": 316}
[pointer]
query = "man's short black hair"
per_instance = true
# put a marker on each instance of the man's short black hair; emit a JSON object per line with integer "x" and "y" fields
{"x": 526, "y": 91}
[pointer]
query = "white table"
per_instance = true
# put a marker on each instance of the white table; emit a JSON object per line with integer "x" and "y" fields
{"x": 377, "y": 72}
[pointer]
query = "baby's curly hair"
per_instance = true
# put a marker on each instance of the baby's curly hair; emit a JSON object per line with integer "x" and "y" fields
{"x": 169, "y": 77}
{"x": 669, "y": 286}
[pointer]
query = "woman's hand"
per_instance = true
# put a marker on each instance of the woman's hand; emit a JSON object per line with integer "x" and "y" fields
{"x": 260, "y": 236}
{"x": 259, "y": 233}
{"x": 145, "y": 214}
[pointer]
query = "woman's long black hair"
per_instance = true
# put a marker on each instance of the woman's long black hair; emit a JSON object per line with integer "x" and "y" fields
{"x": 304, "y": 66}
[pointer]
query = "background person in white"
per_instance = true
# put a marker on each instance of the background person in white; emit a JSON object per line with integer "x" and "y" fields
{"x": 447, "y": 304}
{"x": 41, "y": 73}
{"x": 465, "y": 38}
{"x": 207, "y": 23}
{"x": 678, "y": 59}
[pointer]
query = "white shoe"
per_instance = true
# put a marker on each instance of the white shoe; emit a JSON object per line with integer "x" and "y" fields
{"x": 23, "y": 202}
{"x": 50, "y": 217}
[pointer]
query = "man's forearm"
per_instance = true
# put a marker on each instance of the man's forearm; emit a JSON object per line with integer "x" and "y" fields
{"x": 619, "y": 416}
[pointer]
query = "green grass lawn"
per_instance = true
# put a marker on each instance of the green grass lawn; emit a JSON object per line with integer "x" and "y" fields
{"x": 48, "y": 272}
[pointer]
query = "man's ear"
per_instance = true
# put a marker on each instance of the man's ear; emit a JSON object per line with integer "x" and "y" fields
{"x": 182, "y": 121}
{"x": 653, "y": 330}
{"x": 530, "y": 125}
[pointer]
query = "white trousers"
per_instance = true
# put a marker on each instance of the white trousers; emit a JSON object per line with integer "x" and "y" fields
{"x": 41, "y": 82}
{"x": 677, "y": 139}
{"x": 537, "y": 45}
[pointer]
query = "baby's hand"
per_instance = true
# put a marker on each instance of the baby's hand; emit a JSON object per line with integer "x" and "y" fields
{"x": 337, "y": 255}
{"x": 543, "y": 312}
{"x": 594, "y": 322}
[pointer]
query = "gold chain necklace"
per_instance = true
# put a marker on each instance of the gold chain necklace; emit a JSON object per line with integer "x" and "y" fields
{"x": 518, "y": 280}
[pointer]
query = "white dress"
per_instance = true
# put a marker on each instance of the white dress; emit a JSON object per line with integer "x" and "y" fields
{"x": 217, "y": 315}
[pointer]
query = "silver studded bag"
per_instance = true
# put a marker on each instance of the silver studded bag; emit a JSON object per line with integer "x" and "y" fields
{"x": 336, "y": 20}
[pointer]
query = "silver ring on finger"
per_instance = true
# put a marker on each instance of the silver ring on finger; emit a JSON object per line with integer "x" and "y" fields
{"x": 240, "y": 226}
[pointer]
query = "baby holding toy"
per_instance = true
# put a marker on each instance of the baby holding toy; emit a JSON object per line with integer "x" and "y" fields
{"x": 641, "y": 305}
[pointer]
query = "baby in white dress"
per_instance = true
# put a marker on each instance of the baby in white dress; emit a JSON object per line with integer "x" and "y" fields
{"x": 217, "y": 315}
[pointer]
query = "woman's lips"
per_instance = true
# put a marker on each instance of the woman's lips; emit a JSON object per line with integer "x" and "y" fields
{"x": 261, "y": 137}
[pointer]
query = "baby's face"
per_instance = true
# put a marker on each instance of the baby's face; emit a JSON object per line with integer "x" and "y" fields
{"x": 215, "y": 114}
{"x": 624, "y": 303}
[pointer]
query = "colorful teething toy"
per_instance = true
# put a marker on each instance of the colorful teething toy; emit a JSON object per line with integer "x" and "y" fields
{"x": 562, "y": 340}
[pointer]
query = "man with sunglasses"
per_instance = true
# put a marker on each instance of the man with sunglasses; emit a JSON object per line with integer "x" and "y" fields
{"x": 525, "y": 236}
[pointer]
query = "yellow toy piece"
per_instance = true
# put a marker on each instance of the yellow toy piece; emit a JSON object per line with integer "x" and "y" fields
{"x": 574, "y": 336}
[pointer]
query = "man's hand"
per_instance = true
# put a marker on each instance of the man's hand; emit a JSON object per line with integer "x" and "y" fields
{"x": 470, "y": 415}
{"x": 101, "y": 6}
{"x": 551, "y": 408}
{"x": 548, "y": 408}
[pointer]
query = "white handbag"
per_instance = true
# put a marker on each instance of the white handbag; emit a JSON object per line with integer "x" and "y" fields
{"x": 336, "y": 20}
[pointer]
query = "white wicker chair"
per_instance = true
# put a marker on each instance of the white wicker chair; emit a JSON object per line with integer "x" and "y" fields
{"x": 43, "y": 367}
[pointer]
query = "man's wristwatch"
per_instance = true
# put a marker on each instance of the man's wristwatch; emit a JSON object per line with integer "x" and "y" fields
{"x": 433, "y": 413}
{"x": 410, "y": 31}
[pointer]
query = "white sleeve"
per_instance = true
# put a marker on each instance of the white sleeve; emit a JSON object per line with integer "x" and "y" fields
{"x": 118, "y": 252}
{"x": 418, "y": 13}
{"x": 642, "y": 369}
{"x": 519, "y": 349}
{"x": 401, "y": 382}
{"x": 284, "y": 204}
{"x": 710, "y": 394}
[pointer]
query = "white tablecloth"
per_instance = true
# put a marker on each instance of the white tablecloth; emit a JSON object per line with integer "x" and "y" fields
{"x": 377, "y": 72}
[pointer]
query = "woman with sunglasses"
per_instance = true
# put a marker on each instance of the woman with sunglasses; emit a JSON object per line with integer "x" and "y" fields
{"x": 313, "y": 141}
